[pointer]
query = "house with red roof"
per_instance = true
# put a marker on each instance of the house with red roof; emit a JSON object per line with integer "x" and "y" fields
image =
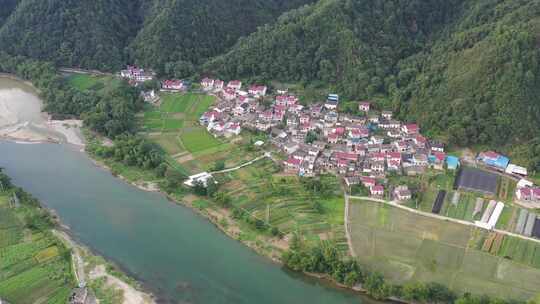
{"x": 234, "y": 84}
{"x": 420, "y": 141}
{"x": 377, "y": 156}
{"x": 258, "y": 90}
{"x": 410, "y": 129}
{"x": 219, "y": 84}
{"x": 361, "y": 132}
{"x": 209, "y": 117}
{"x": 292, "y": 164}
{"x": 229, "y": 94}
{"x": 304, "y": 119}
{"x": 528, "y": 194}
{"x": 333, "y": 138}
{"x": 232, "y": 128}
{"x": 393, "y": 156}
{"x": 367, "y": 181}
{"x": 172, "y": 85}
{"x": 437, "y": 159}
{"x": 377, "y": 190}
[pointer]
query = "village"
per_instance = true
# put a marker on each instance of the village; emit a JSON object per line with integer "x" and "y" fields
{"x": 364, "y": 149}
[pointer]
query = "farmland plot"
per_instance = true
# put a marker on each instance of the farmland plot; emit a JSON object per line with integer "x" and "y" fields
{"x": 405, "y": 246}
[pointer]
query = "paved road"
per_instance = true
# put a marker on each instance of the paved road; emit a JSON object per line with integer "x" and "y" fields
{"x": 436, "y": 216}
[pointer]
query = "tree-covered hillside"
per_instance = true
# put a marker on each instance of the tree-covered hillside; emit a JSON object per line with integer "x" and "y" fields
{"x": 6, "y": 8}
{"x": 71, "y": 32}
{"x": 97, "y": 33}
{"x": 467, "y": 70}
{"x": 181, "y": 34}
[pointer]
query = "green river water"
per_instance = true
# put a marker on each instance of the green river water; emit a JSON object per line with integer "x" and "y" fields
{"x": 176, "y": 254}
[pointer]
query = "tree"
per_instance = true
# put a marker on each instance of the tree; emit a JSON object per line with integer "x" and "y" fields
{"x": 311, "y": 136}
{"x": 173, "y": 179}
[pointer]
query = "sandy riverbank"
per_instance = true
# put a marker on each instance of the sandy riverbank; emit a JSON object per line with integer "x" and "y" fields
{"x": 21, "y": 118}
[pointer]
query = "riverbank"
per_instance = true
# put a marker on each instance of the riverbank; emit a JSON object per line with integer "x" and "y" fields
{"x": 221, "y": 218}
{"x": 21, "y": 118}
{"x": 93, "y": 271}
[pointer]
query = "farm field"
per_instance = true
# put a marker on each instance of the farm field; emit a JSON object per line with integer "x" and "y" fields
{"x": 283, "y": 202}
{"x": 406, "y": 246}
{"x": 34, "y": 268}
{"x": 198, "y": 139}
{"x": 85, "y": 82}
{"x": 174, "y": 124}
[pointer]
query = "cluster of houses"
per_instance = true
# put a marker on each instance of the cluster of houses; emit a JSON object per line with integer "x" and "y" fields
{"x": 317, "y": 138}
{"x": 137, "y": 75}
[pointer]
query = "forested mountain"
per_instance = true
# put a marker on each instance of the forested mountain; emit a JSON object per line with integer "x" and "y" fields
{"x": 97, "y": 33}
{"x": 182, "y": 34}
{"x": 71, "y": 32}
{"x": 6, "y": 8}
{"x": 467, "y": 70}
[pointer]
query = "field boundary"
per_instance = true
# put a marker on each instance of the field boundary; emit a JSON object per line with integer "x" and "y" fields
{"x": 439, "y": 217}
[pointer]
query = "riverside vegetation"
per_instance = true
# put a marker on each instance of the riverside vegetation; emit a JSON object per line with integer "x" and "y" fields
{"x": 36, "y": 266}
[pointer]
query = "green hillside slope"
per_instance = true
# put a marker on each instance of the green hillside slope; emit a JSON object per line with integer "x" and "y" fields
{"x": 183, "y": 33}
{"x": 96, "y": 34}
{"x": 6, "y": 9}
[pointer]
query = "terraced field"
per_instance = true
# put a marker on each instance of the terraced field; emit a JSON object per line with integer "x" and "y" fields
{"x": 283, "y": 202}
{"x": 33, "y": 268}
{"x": 405, "y": 246}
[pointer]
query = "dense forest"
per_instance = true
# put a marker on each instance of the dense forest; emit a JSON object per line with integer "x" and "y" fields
{"x": 107, "y": 34}
{"x": 182, "y": 34}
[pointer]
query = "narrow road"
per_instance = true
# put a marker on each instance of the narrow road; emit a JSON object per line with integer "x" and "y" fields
{"x": 436, "y": 216}
{"x": 266, "y": 155}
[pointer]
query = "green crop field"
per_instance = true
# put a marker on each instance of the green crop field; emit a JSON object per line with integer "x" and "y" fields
{"x": 177, "y": 103}
{"x": 198, "y": 139}
{"x": 84, "y": 82}
{"x": 283, "y": 202}
{"x": 180, "y": 113}
{"x": 32, "y": 268}
{"x": 405, "y": 246}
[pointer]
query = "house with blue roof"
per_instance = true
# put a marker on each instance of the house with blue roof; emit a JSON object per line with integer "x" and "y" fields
{"x": 452, "y": 162}
{"x": 332, "y": 102}
{"x": 494, "y": 159}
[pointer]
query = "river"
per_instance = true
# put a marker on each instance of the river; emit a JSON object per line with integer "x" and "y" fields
{"x": 178, "y": 255}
